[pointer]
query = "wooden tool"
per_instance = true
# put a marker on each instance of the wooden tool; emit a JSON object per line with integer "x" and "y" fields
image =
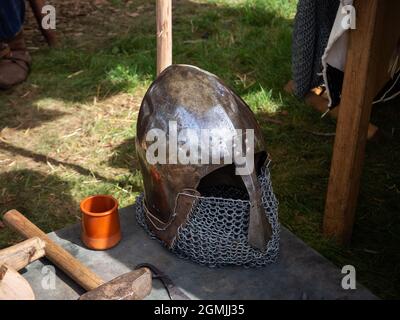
{"x": 13, "y": 286}
{"x": 134, "y": 285}
{"x": 22, "y": 254}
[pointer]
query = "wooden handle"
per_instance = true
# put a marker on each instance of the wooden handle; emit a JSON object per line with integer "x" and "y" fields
{"x": 164, "y": 34}
{"x": 83, "y": 276}
{"x": 22, "y": 254}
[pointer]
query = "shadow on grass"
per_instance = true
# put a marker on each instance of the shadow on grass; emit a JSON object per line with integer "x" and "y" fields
{"x": 37, "y": 157}
{"x": 22, "y": 116}
{"x": 44, "y": 199}
{"x": 124, "y": 156}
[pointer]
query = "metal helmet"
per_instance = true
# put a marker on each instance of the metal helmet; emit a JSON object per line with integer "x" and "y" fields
{"x": 236, "y": 211}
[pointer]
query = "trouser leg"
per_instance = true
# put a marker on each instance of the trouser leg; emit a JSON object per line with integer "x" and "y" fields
{"x": 12, "y": 15}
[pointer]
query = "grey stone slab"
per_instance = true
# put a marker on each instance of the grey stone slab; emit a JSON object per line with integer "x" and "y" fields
{"x": 300, "y": 273}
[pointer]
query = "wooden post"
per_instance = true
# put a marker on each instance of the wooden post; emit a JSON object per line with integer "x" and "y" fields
{"x": 370, "y": 48}
{"x": 164, "y": 34}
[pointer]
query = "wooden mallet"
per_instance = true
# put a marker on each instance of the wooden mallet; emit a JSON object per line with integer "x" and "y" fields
{"x": 12, "y": 259}
{"x": 134, "y": 285}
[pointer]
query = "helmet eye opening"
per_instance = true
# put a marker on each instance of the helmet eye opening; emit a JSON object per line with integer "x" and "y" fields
{"x": 225, "y": 183}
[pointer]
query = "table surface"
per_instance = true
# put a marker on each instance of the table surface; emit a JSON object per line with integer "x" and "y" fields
{"x": 299, "y": 273}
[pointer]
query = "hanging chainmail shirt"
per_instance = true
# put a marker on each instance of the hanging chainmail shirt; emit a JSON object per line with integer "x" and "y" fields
{"x": 312, "y": 28}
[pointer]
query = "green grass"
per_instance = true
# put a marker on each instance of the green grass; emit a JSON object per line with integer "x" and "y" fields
{"x": 68, "y": 132}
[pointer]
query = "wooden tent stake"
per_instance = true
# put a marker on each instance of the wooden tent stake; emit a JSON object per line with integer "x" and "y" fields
{"x": 164, "y": 34}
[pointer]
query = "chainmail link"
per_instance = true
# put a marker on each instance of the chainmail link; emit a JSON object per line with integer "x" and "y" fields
{"x": 216, "y": 231}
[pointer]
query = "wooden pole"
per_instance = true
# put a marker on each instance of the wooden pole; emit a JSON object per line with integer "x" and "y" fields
{"x": 164, "y": 34}
{"x": 370, "y": 48}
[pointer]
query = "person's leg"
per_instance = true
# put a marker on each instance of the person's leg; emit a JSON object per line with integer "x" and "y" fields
{"x": 12, "y": 16}
{"x": 14, "y": 57}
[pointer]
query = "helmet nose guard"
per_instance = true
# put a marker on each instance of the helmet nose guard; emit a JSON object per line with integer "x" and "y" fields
{"x": 260, "y": 231}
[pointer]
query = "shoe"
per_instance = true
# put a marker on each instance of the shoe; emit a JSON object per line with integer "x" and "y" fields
{"x": 15, "y": 62}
